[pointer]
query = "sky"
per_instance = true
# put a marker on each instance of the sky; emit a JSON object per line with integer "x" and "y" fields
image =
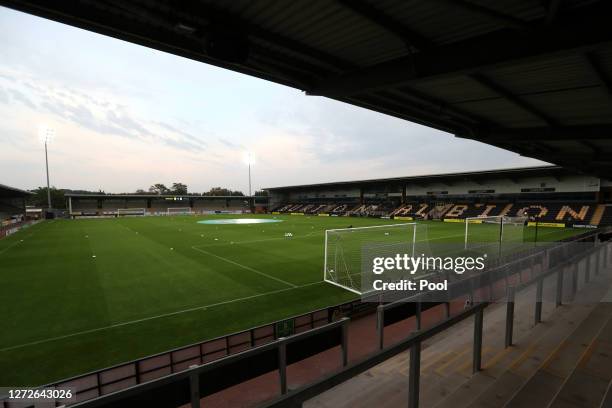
{"x": 127, "y": 117}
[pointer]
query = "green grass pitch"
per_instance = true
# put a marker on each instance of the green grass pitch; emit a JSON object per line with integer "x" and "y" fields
{"x": 157, "y": 283}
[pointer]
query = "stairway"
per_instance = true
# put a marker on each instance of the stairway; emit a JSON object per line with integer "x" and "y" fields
{"x": 565, "y": 361}
{"x": 551, "y": 365}
{"x": 551, "y": 380}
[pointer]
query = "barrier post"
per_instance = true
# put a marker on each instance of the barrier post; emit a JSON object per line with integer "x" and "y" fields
{"x": 538, "y": 304}
{"x": 509, "y": 316}
{"x": 380, "y": 325}
{"x": 414, "y": 375}
{"x": 587, "y": 269}
{"x": 345, "y": 325}
{"x": 574, "y": 279}
{"x": 194, "y": 387}
{"x": 477, "y": 353}
{"x": 417, "y": 315}
{"x": 282, "y": 365}
{"x": 559, "y": 299}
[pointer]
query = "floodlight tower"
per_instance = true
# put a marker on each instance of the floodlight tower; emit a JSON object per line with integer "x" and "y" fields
{"x": 249, "y": 159}
{"x": 46, "y": 135}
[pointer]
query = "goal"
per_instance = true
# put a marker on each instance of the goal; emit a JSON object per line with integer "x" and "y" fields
{"x": 493, "y": 231}
{"x": 179, "y": 211}
{"x": 130, "y": 211}
{"x": 349, "y": 251}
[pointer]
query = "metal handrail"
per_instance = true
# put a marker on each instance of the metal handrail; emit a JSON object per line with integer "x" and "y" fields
{"x": 298, "y": 396}
{"x": 207, "y": 367}
{"x": 413, "y": 342}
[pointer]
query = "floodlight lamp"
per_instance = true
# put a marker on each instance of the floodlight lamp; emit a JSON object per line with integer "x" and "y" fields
{"x": 248, "y": 158}
{"x": 46, "y": 134}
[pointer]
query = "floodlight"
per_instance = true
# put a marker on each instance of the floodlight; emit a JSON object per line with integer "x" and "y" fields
{"x": 46, "y": 134}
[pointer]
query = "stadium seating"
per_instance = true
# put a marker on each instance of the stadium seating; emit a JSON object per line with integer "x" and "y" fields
{"x": 606, "y": 217}
{"x": 567, "y": 212}
{"x": 83, "y": 206}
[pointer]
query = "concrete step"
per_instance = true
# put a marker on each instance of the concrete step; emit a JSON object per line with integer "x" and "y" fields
{"x": 505, "y": 371}
{"x": 496, "y": 365}
{"x": 446, "y": 379}
{"x": 606, "y": 402}
{"x": 587, "y": 385}
{"x": 542, "y": 387}
{"x": 455, "y": 370}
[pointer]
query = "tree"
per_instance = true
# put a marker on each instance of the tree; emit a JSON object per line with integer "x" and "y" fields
{"x": 179, "y": 188}
{"x": 39, "y": 199}
{"x": 222, "y": 191}
{"x": 159, "y": 189}
{"x": 261, "y": 193}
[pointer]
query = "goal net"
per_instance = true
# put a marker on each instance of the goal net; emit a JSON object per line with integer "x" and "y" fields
{"x": 179, "y": 211}
{"x": 493, "y": 232}
{"x": 130, "y": 211}
{"x": 349, "y": 251}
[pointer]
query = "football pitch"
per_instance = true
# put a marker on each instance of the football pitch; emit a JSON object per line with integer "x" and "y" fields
{"x": 79, "y": 295}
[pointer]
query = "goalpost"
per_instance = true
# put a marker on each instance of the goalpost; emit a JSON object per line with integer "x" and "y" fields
{"x": 130, "y": 211}
{"x": 179, "y": 211}
{"x": 349, "y": 250}
{"x": 496, "y": 229}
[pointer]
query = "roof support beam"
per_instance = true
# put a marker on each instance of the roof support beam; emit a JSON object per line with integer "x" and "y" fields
{"x": 488, "y": 13}
{"x": 560, "y": 133}
{"x": 595, "y": 67}
{"x": 514, "y": 99}
{"x": 394, "y": 107}
{"x": 198, "y": 10}
{"x": 552, "y": 8}
{"x": 387, "y": 23}
{"x": 584, "y": 29}
{"x": 443, "y": 107}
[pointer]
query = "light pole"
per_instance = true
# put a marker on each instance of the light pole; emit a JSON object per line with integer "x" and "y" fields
{"x": 249, "y": 159}
{"x": 46, "y": 135}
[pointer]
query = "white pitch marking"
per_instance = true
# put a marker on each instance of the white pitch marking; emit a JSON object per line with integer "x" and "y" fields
{"x": 248, "y": 268}
{"x": 193, "y": 309}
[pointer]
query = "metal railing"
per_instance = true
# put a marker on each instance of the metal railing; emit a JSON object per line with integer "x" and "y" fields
{"x": 196, "y": 374}
{"x": 596, "y": 258}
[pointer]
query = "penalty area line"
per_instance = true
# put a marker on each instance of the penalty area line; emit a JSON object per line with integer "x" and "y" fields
{"x": 145, "y": 319}
{"x": 248, "y": 268}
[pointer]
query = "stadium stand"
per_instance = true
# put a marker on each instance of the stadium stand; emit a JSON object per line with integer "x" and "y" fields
{"x": 12, "y": 210}
{"x": 577, "y": 213}
{"x": 109, "y": 204}
{"x": 606, "y": 215}
{"x": 559, "y": 196}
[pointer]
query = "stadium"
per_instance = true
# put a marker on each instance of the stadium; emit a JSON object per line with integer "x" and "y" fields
{"x": 176, "y": 299}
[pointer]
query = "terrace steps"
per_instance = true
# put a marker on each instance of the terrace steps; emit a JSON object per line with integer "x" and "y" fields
{"x": 588, "y": 383}
{"x": 508, "y": 365}
{"x": 508, "y": 374}
{"x": 535, "y": 380}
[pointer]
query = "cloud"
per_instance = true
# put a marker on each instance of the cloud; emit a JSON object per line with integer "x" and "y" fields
{"x": 4, "y": 98}
{"x": 128, "y": 116}
{"x": 18, "y": 96}
{"x": 189, "y": 141}
{"x": 231, "y": 145}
